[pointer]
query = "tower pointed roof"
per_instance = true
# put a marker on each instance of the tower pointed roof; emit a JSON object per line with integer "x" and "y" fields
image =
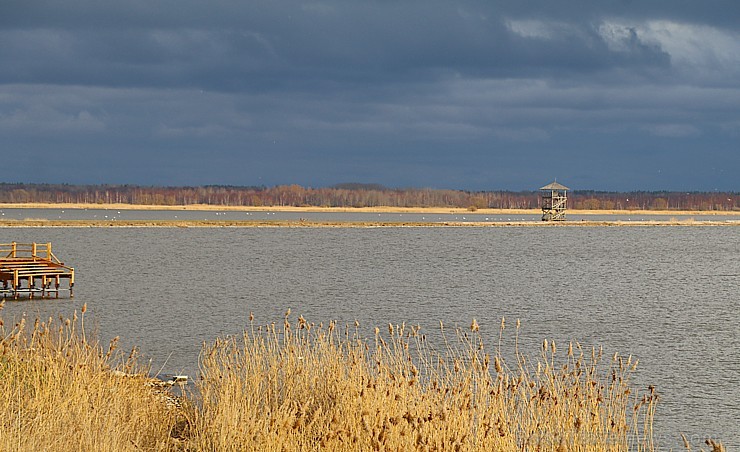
{"x": 554, "y": 186}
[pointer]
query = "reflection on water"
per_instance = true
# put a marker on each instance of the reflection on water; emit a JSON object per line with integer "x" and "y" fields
{"x": 668, "y": 296}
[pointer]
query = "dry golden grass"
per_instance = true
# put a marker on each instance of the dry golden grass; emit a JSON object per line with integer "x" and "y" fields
{"x": 304, "y": 387}
{"x": 716, "y": 446}
{"x": 59, "y": 393}
{"x": 311, "y": 387}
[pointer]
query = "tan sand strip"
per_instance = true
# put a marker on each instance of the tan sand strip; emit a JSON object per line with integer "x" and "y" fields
{"x": 421, "y": 210}
{"x": 340, "y": 224}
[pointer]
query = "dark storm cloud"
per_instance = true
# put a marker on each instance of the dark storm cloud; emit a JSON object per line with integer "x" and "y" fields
{"x": 467, "y": 94}
{"x": 259, "y": 45}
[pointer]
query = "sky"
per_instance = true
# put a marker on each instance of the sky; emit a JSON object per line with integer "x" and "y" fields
{"x": 615, "y": 95}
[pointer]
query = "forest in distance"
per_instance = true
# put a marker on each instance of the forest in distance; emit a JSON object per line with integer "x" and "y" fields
{"x": 358, "y": 195}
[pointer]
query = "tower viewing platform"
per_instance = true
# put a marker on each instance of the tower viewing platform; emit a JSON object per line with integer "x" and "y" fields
{"x": 554, "y": 201}
{"x": 30, "y": 269}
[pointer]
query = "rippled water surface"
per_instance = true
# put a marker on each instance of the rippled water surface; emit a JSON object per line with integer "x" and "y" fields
{"x": 114, "y": 215}
{"x": 669, "y": 296}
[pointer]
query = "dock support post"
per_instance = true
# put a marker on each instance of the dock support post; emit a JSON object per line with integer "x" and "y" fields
{"x": 15, "y": 279}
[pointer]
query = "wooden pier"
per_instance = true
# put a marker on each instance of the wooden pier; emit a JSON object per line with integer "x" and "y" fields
{"x": 31, "y": 269}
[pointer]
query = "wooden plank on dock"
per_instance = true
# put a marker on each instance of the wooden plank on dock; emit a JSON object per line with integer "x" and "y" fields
{"x": 30, "y": 268}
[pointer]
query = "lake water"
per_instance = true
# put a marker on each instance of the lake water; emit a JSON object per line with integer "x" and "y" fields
{"x": 669, "y": 296}
{"x": 114, "y": 215}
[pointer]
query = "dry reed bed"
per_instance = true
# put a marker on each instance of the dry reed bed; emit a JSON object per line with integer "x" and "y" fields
{"x": 61, "y": 393}
{"x": 309, "y": 387}
{"x": 302, "y": 386}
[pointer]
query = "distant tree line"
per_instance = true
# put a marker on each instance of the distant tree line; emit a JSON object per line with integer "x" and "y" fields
{"x": 358, "y": 195}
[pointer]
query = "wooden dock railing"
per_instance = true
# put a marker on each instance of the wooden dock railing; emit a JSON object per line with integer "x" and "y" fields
{"x": 31, "y": 268}
{"x": 27, "y": 250}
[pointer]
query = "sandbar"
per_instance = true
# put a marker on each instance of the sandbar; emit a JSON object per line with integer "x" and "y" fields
{"x": 43, "y": 223}
{"x": 378, "y": 209}
{"x": 306, "y": 223}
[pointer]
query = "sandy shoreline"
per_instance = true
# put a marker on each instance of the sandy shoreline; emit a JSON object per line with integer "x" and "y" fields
{"x": 341, "y": 224}
{"x": 422, "y": 210}
{"x": 35, "y": 222}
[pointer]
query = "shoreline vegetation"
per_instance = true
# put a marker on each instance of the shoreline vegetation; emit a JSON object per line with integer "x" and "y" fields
{"x": 308, "y": 386}
{"x": 37, "y": 222}
{"x": 353, "y": 195}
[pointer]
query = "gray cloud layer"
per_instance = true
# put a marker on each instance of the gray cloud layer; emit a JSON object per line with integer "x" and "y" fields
{"x": 470, "y": 94}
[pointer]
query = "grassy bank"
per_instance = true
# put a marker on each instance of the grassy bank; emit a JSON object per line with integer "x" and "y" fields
{"x": 306, "y": 386}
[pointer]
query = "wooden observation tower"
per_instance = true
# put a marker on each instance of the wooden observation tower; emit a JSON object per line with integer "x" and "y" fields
{"x": 554, "y": 201}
